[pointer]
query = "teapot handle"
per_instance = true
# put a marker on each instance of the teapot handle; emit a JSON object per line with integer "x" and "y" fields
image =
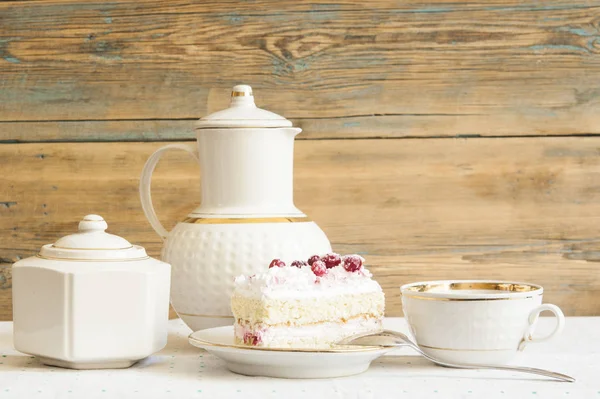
{"x": 146, "y": 178}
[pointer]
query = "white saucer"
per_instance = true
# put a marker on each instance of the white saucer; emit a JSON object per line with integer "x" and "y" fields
{"x": 285, "y": 363}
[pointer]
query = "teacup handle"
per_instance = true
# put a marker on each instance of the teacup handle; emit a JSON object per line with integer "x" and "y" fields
{"x": 146, "y": 178}
{"x": 533, "y": 318}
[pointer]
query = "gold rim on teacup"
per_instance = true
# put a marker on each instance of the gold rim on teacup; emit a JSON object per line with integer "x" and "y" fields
{"x": 466, "y": 290}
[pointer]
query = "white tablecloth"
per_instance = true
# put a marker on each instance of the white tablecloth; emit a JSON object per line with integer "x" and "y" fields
{"x": 182, "y": 371}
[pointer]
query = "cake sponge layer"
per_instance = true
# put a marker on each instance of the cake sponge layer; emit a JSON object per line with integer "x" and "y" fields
{"x": 293, "y": 312}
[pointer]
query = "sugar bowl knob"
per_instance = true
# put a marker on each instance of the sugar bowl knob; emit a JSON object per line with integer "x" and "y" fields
{"x": 92, "y": 224}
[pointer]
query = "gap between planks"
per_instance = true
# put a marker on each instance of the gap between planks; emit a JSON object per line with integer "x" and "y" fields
{"x": 192, "y": 139}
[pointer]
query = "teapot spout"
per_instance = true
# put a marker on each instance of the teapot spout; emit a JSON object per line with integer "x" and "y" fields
{"x": 294, "y": 131}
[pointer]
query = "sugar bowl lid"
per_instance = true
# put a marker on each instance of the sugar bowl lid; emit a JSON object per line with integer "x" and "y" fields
{"x": 242, "y": 112}
{"x": 92, "y": 243}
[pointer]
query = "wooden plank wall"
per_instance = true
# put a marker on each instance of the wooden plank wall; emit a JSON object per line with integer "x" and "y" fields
{"x": 441, "y": 139}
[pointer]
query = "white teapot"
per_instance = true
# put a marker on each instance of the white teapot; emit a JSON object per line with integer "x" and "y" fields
{"x": 247, "y": 215}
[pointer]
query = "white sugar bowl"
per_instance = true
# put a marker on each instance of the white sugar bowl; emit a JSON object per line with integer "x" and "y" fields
{"x": 91, "y": 300}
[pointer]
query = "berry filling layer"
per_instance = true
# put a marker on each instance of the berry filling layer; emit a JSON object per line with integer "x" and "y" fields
{"x": 317, "y": 335}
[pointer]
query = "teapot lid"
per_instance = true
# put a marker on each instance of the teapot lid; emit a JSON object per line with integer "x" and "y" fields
{"x": 242, "y": 112}
{"x": 92, "y": 243}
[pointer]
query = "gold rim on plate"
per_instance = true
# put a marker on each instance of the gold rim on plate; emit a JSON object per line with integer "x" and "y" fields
{"x": 339, "y": 349}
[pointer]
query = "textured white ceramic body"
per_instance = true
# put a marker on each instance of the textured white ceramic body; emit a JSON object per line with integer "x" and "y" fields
{"x": 283, "y": 364}
{"x": 207, "y": 257}
{"x": 246, "y": 157}
{"x": 103, "y": 304}
{"x": 464, "y": 329}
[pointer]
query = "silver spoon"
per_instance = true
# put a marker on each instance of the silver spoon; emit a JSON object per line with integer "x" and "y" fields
{"x": 387, "y": 338}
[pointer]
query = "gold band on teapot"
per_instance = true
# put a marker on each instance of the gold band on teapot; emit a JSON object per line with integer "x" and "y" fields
{"x": 281, "y": 219}
{"x": 241, "y": 94}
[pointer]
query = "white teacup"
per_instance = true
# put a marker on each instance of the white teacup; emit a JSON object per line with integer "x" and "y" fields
{"x": 474, "y": 321}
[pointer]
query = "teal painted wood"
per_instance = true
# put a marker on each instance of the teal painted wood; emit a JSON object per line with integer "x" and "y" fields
{"x": 396, "y": 69}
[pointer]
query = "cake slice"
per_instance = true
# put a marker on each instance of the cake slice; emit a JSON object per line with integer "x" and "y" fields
{"x": 308, "y": 304}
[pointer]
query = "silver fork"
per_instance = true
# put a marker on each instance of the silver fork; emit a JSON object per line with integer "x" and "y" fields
{"x": 388, "y": 338}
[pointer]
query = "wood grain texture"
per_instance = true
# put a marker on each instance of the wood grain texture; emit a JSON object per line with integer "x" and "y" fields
{"x": 394, "y": 69}
{"x": 5, "y": 291}
{"x": 511, "y": 208}
{"x": 87, "y": 86}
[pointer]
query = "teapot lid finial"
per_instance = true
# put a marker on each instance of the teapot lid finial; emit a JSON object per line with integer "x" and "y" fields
{"x": 241, "y": 96}
{"x": 241, "y": 91}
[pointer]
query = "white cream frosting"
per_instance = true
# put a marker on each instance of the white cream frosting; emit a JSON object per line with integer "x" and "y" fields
{"x": 294, "y": 282}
